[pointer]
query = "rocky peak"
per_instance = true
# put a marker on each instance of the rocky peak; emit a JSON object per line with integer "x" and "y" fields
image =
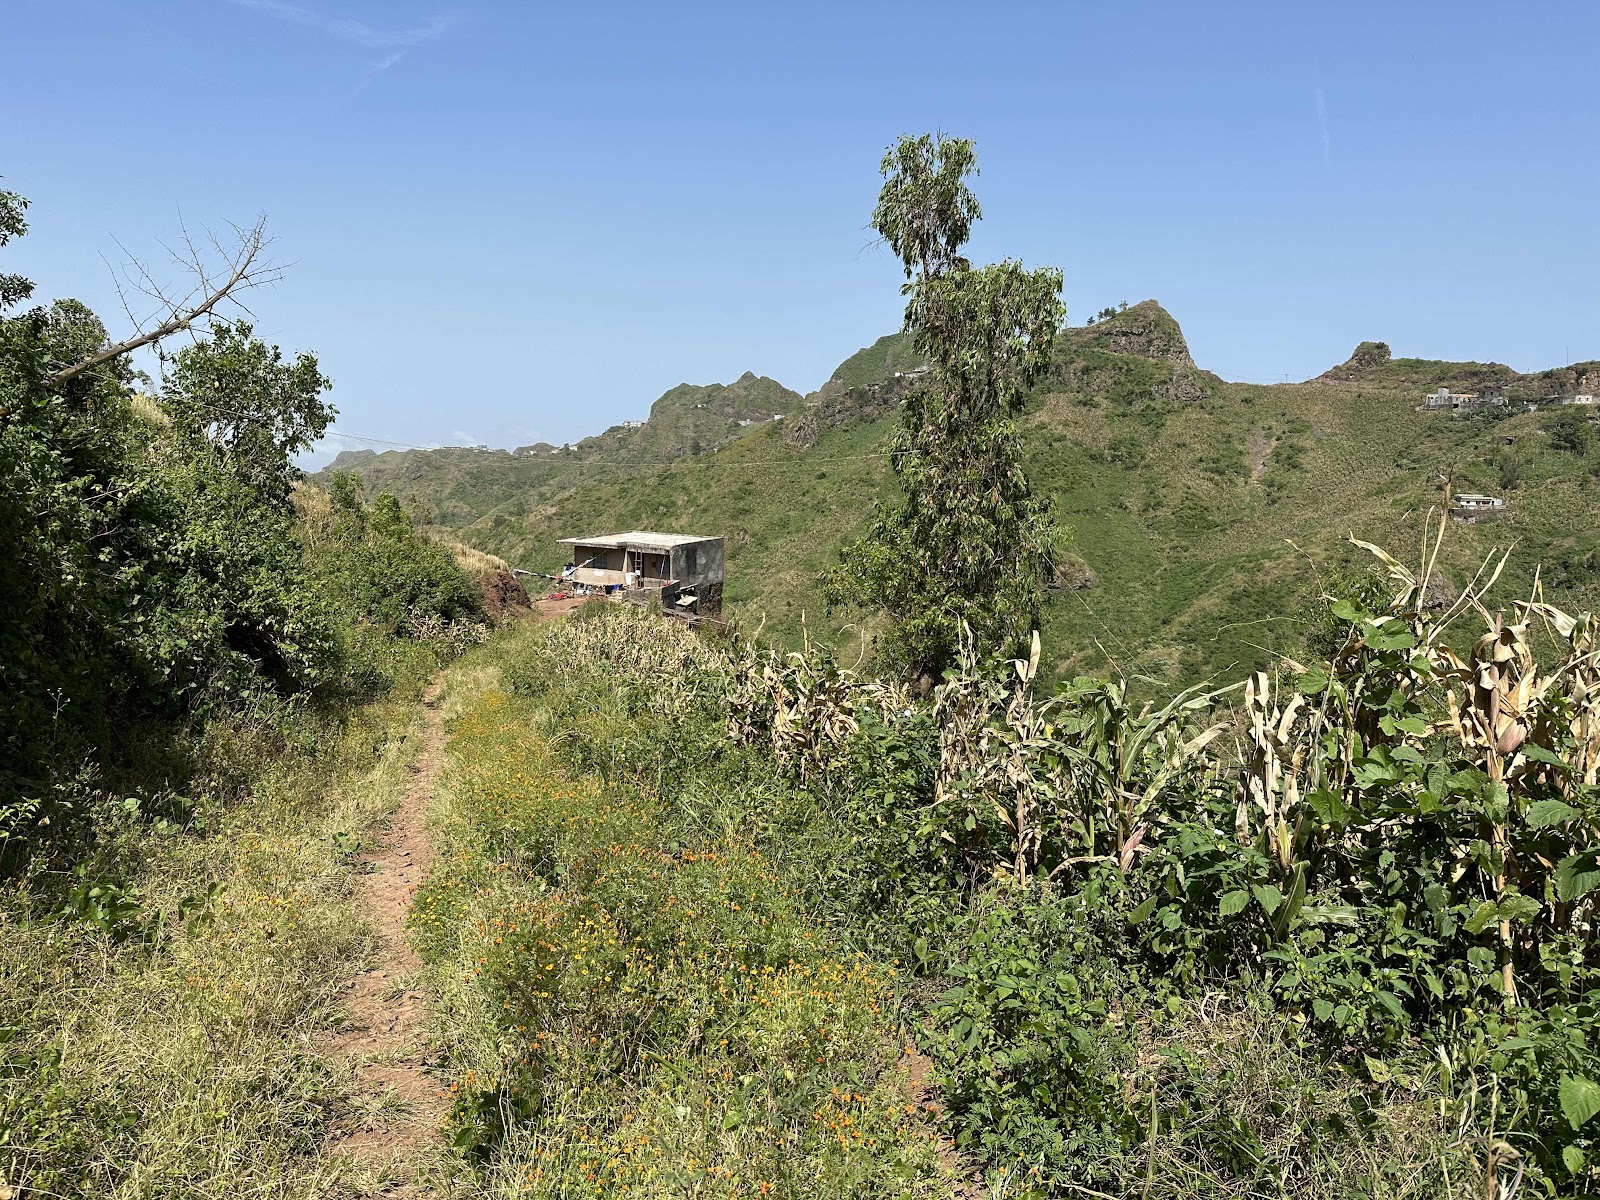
{"x": 1363, "y": 358}
{"x": 1146, "y": 330}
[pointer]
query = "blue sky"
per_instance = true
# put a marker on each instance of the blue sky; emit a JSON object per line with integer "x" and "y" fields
{"x": 517, "y": 221}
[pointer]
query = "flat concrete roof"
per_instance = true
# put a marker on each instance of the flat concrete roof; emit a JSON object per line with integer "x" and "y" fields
{"x": 638, "y": 539}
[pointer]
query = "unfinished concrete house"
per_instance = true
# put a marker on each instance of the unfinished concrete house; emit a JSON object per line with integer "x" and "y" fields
{"x": 678, "y": 572}
{"x": 1470, "y": 507}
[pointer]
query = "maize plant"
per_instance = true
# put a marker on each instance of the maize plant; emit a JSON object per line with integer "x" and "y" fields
{"x": 992, "y": 743}
{"x": 801, "y": 707}
{"x": 1126, "y": 767}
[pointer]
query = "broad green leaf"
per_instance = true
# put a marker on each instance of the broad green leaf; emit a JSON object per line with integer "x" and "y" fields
{"x": 1330, "y": 809}
{"x": 1540, "y": 754}
{"x": 1313, "y": 681}
{"x": 1572, "y": 1158}
{"x": 1345, "y": 610}
{"x": 1330, "y": 914}
{"x": 1285, "y": 916}
{"x": 1143, "y": 911}
{"x": 1233, "y": 902}
{"x": 1481, "y": 917}
{"x": 1580, "y": 1099}
{"x": 1268, "y": 897}
{"x": 1391, "y": 635}
{"x": 1516, "y": 907}
{"x": 1544, "y": 813}
{"x": 1579, "y": 875}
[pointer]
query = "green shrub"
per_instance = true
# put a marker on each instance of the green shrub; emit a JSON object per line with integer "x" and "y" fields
{"x": 379, "y": 568}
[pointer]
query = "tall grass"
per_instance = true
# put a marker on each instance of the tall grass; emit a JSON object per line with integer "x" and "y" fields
{"x": 163, "y": 1010}
{"x": 633, "y": 996}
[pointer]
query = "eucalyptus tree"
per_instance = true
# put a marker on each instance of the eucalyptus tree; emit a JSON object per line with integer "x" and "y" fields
{"x": 969, "y": 544}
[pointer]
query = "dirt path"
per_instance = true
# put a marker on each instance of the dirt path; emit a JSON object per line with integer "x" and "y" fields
{"x": 399, "y": 1108}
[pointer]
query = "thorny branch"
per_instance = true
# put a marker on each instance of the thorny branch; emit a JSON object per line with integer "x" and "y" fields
{"x": 229, "y": 272}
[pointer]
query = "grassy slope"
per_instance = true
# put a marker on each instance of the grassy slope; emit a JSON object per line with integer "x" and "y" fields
{"x": 1200, "y": 564}
{"x": 1207, "y": 523}
{"x": 457, "y": 485}
{"x": 636, "y": 977}
{"x": 183, "y": 1059}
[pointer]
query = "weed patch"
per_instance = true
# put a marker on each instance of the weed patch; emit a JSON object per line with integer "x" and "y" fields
{"x": 632, "y": 1004}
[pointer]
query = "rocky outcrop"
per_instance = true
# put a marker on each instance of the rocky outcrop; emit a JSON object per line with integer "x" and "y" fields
{"x": 1072, "y": 574}
{"x": 1145, "y": 330}
{"x": 349, "y": 460}
{"x": 1131, "y": 357}
{"x": 1365, "y": 358}
{"x": 832, "y": 410}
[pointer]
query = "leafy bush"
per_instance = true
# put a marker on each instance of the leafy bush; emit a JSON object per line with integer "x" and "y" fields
{"x": 379, "y": 568}
{"x": 148, "y": 567}
{"x": 645, "y": 1002}
{"x": 1400, "y": 855}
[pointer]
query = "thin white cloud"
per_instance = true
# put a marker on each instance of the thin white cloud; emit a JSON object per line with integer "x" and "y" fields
{"x": 359, "y": 33}
{"x": 379, "y": 67}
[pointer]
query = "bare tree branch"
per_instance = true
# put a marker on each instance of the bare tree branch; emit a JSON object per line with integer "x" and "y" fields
{"x": 245, "y": 269}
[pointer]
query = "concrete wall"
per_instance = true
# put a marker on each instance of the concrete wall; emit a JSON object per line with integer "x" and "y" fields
{"x": 698, "y": 562}
{"x": 604, "y": 560}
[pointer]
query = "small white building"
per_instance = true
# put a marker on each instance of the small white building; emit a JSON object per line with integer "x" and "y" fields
{"x": 1472, "y": 502}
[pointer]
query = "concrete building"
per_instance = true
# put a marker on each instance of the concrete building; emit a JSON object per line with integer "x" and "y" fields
{"x": 1470, "y": 506}
{"x": 680, "y": 572}
{"x": 1444, "y": 400}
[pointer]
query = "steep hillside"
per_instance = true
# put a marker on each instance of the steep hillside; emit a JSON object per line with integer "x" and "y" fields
{"x": 1205, "y": 514}
{"x": 457, "y": 485}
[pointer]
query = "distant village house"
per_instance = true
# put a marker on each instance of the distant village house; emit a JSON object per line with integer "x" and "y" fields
{"x": 675, "y": 572}
{"x": 1470, "y": 506}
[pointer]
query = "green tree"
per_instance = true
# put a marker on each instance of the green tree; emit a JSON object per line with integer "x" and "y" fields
{"x": 1510, "y": 470}
{"x": 1570, "y": 431}
{"x": 969, "y": 544}
{"x": 149, "y": 569}
{"x": 239, "y": 395}
{"x": 381, "y": 569}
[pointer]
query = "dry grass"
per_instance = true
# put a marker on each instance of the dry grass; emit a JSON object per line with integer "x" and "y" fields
{"x": 476, "y": 563}
{"x": 188, "y": 1063}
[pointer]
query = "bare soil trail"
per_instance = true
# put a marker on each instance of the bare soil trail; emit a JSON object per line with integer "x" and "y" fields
{"x": 399, "y": 1104}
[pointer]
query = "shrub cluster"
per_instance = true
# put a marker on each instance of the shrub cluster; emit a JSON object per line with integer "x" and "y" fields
{"x": 1394, "y": 854}
{"x": 154, "y": 577}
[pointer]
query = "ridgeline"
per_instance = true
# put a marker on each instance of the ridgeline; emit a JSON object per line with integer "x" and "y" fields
{"x": 1206, "y": 516}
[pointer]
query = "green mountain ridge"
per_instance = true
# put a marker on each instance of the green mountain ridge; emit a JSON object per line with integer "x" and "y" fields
{"x": 1205, "y": 515}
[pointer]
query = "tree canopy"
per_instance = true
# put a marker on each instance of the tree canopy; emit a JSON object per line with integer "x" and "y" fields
{"x": 969, "y": 545}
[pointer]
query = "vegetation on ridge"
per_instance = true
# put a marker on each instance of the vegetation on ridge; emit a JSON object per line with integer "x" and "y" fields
{"x": 1206, "y": 528}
